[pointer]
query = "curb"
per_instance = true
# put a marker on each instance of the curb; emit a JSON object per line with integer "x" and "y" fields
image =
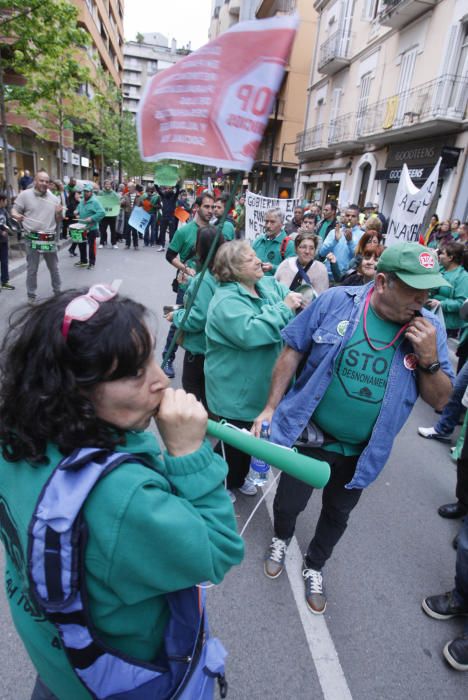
{"x": 18, "y": 265}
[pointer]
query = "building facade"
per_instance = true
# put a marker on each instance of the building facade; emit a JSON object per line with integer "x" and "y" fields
{"x": 142, "y": 59}
{"x": 388, "y": 86}
{"x": 31, "y": 146}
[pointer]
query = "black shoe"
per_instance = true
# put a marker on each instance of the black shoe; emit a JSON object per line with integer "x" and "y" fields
{"x": 456, "y": 653}
{"x": 443, "y": 607}
{"x": 452, "y": 511}
{"x": 72, "y": 253}
{"x": 168, "y": 370}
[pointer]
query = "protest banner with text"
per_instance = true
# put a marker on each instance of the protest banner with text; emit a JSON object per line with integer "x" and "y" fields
{"x": 257, "y": 206}
{"x": 212, "y": 106}
{"x": 410, "y": 207}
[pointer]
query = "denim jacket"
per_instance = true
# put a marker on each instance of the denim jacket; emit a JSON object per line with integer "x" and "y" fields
{"x": 314, "y": 332}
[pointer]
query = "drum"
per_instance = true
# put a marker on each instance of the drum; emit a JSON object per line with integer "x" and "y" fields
{"x": 42, "y": 242}
{"x": 78, "y": 233}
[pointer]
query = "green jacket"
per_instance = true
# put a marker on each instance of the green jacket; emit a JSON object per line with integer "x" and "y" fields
{"x": 452, "y": 298}
{"x": 268, "y": 250}
{"x": 228, "y": 231}
{"x": 194, "y": 327}
{"x": 145, "y": 539}
{"x": 92, "y": 209}
{"x": 243, "y": 341}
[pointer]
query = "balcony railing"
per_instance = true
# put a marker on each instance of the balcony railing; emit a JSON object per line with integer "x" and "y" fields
{"x": 342, "y": 129}
{"x": 263, "y": 154}
{"x": 398, "y": 13}
{"x": 311, "y": 139}
{"x": 443, "y": 98}
{"x": 334, "y": 52}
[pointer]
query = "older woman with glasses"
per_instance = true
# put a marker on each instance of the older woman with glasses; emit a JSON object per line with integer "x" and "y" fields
{"x": 243, "y": 340}
{"x": 114, "y": 588}
{"x": 303, "y": 268}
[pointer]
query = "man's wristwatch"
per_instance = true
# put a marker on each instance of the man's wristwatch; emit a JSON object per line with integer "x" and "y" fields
{"x": 430, "y": 369}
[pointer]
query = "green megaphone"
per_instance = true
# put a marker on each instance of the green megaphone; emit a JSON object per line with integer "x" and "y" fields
{"x": 312, "y": 471}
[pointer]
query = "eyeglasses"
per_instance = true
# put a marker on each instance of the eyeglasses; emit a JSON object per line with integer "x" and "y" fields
{"x": 85, "y": 306}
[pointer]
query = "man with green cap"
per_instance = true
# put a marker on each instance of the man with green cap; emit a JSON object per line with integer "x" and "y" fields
{"x": 367, "y": 354}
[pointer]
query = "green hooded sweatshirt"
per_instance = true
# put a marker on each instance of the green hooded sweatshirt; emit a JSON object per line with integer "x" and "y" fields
{"x": 243, "y": 341}
{"x": 145, "y": 539}
{"x": 194, "y": 339}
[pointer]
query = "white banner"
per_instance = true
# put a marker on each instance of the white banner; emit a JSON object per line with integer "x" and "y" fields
{"x": 410, "y": 207}
{"x": 257, "y": 206}
{"x": 212, "y": 106}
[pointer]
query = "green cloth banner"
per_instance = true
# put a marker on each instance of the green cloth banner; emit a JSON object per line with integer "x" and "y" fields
{"x": 110, "y": 202}
{"x": 166, "y": 175}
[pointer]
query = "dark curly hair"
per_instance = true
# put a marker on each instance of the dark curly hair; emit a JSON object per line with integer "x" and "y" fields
{"x": 43, "y": 378}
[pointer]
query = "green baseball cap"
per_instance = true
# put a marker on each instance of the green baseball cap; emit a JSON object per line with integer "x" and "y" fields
{"x": 87, "y": 187}
{"x": 416, "y": 265}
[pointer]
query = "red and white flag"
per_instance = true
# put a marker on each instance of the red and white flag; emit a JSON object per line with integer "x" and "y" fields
{"x": 212, "y": 106}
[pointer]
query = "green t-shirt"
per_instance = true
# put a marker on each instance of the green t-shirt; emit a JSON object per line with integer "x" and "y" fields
{"x": 351, "y": 404}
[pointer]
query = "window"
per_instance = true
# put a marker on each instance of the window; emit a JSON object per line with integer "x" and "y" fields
{"x": 364, "y": 92}
{"x": 335, "y": 106}
{"x": 408, "y": 60}
{"x": 370, "y": 10}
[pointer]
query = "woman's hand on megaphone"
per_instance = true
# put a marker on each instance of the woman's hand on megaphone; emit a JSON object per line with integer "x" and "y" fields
{"x": 265, "y": 415}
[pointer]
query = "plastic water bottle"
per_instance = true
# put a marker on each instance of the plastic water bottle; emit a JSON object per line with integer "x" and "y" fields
{"x": 259, "y": 469}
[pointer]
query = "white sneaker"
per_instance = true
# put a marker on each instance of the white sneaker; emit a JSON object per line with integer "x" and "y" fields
{"x": 432, "y": 434}
{"x": 232, "y": 495}
{"x": 100, "y": 245}
{"x": 115, "y": 247}
{"x": 160, "y": 249}
{"x": 248, "y": 488}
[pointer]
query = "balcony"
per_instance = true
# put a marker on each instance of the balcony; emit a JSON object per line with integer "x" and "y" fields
{"x": 270, "y": 8}
{"x": 311, "y": 141}
{"x": 342, "y": 133}
{"x": 436, "y": 106}
{"x": 264, "y": 152}
{"x": 398, "y": 13}
{"x": 334, "y": 53}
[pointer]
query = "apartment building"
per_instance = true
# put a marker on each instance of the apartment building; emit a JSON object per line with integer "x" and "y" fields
{"x": 276, "y": 165}
{"x": 142, "y": 59}
{"x": 31, "y": 146}
{"x": 388, "y": 86}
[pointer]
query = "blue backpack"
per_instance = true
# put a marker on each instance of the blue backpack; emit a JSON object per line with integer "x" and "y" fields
{"x": 191, "y": 661}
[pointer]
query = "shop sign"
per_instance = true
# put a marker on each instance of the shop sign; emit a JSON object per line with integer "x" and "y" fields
{"x": 75, "y": 158}
{"x": 84, "y": 162}
{"x": 416, "y": 154}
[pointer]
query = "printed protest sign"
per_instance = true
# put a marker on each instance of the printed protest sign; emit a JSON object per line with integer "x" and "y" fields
{"x": 410, "y": 207}
{"x": 110, "y": 202}
{"x": 256, "y": 207}
{"x": 212, "y": 106}
{"x": 139, "y": 219}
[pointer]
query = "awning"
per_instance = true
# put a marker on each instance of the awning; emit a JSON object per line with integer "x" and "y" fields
{"x": 10, "y": 148}
{"x": 416, "y": 173}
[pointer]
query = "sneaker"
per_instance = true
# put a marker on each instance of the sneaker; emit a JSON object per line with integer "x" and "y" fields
{"x": 432, "y": 434}
{"x": 127, "y": 247}
{"x": 80, "y": 264}
{"x": 160, "y": 249}
{"x": 90, "y": 266}
{"x": 314, "y": 595}
{"x": 32, "y": 301}
{"x": 168, "y": 370}
{"x": 100, "y": 245}
{"x": 248, "y": 488}
{"x": 232, "y": 495}
{"x": 72, "y": 253}
{"x": 456, "y": 653}
{"x": 275, "y": 557}
{"x": 7, "y": 285}
{"x": 443, "y": 607}
{"x": 115, "y": 247}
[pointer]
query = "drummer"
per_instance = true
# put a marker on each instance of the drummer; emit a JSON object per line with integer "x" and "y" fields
{"x": 38, "y": 210}
{"x": 91, "y": 213}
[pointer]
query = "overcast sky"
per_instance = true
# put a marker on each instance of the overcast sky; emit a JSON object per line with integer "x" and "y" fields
{"x": 183, "y": 20}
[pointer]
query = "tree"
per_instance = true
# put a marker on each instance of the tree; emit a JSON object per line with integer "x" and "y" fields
{"x": 38, "y": 41}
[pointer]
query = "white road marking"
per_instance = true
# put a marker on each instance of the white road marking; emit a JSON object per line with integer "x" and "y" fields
{"x": 322, "y": 650}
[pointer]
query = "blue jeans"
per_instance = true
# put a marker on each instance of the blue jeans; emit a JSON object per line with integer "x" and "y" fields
{"x": 452, "y": 411}
{"x": 172, "y": 329}
{"x": 150, "y": 233}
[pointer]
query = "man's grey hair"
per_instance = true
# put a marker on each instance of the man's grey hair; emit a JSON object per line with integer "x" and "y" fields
{"x": 276, "y": 211}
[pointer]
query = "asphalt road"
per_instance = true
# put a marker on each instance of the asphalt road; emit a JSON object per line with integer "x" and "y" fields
{"x": 374, "y": 642}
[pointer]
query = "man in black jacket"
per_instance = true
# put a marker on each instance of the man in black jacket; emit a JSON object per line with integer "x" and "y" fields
{"x": 169, "y": 196}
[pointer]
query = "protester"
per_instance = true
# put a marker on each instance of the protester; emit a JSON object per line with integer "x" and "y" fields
{"x": 109, "y": 221}
{"x": 268, "y": 246}
{"x": 366, "y": 267}
{"x": 71, "y": 217}
{"x": 243, "y": 340}
{"x": 295, "y": 224}
{"x": 442, "y": 234}
{"x": 308, "y": 224}
{"x": 451, "y": 297}
{"x": 219, "y": 210}
{"x": 181, "y": 255}
{"x": 168, "y": 222}
{"x": 90, "y": 213}
{"x": 362, "y": 348}
{"x": 193, "y": 338}
{"x": 38, "y": 210}
{"x": 25, "y": 181}
{"x": 303, "y": 268}
{"x": 78, "y": 373}
{"x": 429, "y": 235}
{"x": 342, "y": 241}
{"x": 4, "y": 232}
{"x": 328, "y": 223}
{"x": 128, "y": 202}
{"x": 240, "y": 217}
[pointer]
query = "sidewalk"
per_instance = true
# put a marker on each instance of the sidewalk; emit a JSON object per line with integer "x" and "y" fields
{"x": 17, "y": 256}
